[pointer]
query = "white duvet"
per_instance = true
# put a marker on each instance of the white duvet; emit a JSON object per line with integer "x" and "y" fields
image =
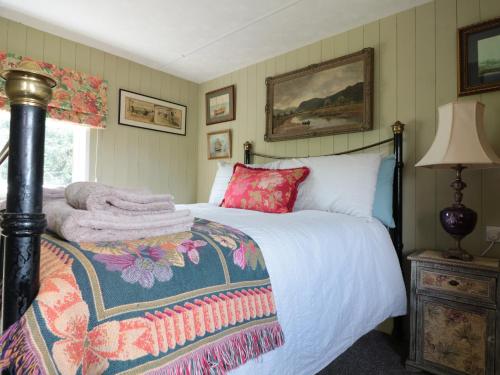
{"x": 334, "y": 277}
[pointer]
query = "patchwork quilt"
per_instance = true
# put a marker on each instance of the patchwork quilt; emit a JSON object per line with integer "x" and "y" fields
{"x": 194, "y": 302}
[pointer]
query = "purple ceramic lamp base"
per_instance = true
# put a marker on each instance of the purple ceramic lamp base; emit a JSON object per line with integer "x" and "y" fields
{"x": 458, "y": 220}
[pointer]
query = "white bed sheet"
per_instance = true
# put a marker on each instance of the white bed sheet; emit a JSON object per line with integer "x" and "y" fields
{"x": 334, "y": 277}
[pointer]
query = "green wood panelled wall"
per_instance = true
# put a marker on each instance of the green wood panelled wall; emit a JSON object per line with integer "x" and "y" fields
{"x": 122, "y": 155}
{"x": 415, "y": 72}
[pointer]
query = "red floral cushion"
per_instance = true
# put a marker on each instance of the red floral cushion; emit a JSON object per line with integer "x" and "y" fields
{"x": 266, "y": 190}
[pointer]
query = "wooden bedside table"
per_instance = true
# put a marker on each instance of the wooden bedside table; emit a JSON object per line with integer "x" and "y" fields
{"x": 454, "y": 321}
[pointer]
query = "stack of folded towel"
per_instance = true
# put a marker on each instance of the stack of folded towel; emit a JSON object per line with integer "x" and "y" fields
{"x": 90, "y": 212}
{"x": 93, "y": 196}
{"x": 48, "y": 195}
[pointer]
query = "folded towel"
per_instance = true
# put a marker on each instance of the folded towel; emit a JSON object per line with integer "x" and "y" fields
{"x": 54, "y": 193}
{"x": 93, "y": 196}
{"x": 91, "y": 226}
{"x": 48, "y": 194}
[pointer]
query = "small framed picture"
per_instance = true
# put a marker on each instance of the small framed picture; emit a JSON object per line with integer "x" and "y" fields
{"x": 151, "y": 113}
{"x": 479, "y": 57}
{"x": 220, "y": 105}
{"x": 219, "y": 144}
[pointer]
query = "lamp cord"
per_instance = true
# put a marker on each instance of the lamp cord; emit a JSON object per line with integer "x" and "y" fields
{"x": 489, "y": 247}
{"x": 96, "y": 155}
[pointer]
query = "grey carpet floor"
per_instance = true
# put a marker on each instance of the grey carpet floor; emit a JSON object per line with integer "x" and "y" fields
{"x": 375, "y": 353}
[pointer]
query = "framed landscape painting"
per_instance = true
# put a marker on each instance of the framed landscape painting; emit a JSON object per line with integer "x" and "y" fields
{"x": 322, "y": 99}
{"x": 479, "y": 57}
{"x": 151, "y": 113}
{"x": 220, "y": 105}
{"x": 219, "y": 144}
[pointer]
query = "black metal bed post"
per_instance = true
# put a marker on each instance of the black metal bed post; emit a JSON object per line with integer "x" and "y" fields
{"x": 397, "y": 212}
{"x": 397, "y": 201}
{"x": 29, "y": 92}
{"x": 248, "y": 152}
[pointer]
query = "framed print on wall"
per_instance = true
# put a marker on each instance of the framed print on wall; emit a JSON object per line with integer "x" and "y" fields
{"x": 219, "y": 144}
{"x": 151, "y": 113}
{"x": 479, "y": 57}
{"x": 220, "y": 105}
{"x": 332, "y": 97}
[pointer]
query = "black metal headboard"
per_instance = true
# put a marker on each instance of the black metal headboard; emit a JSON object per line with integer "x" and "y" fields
{"x": 397, "y": 197}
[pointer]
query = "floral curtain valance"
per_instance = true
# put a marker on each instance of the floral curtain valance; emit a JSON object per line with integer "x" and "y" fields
{"x": 78, "y": 97}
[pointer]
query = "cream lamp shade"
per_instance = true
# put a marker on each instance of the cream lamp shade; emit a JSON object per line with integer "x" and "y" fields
{"x": 460, "y": 139}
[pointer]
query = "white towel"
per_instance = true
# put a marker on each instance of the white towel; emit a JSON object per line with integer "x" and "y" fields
{"x": 92, "y": 226}
{"x": 48, "y": 194}
{"x": 93, "y": 196}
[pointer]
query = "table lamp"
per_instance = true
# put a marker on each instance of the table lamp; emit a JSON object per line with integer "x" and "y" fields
{"x": 460, "y": 143}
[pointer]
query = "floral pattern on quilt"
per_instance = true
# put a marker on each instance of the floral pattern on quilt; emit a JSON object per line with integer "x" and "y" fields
{"x": 67, "y": 315}
{"x": 148, "y": 260}
{"x": 214, "y": 315}
{"x": 244, "y": 251}
{"x": 266, "y": 190}
{"x": 151, "y": 260}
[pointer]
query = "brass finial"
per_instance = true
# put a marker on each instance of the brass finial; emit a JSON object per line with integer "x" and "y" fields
{"x": 398, "y": 127}
{"x": 28, "y": 84}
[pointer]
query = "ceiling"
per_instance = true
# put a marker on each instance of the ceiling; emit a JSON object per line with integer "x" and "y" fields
{"x": 198, "y": 39}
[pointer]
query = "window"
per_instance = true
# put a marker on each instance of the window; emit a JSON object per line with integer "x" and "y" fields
{"x": 66, "y": 153}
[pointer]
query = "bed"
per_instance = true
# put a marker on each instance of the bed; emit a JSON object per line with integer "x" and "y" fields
{"x": 324, "y": 303}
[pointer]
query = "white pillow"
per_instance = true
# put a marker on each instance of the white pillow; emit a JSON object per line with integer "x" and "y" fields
{"x": 223, "y": 176}
{"x": 340, "y": 183}
{"x": 219, "y": 186}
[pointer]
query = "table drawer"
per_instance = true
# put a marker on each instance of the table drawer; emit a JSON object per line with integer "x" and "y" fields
{"x": 480, "y": 288}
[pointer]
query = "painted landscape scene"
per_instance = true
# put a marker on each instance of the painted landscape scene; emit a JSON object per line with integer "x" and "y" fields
{"x": 327, "y": 99}
{"x": 489, "y": 59}
{"x": 167, "y": 116}
{"x": 140, "y": 110}
{"x": 147, "y": 112}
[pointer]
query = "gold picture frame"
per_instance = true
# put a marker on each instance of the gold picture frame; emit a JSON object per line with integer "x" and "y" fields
{"x": 219, "y": 145}
{"x": 151, "y": 113}
{"x": 332, "y": 97}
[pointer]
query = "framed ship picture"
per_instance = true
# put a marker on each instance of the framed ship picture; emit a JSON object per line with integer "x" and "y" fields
{"x": 220, "y": 105}
{"x": 332, "y": 97}
{"x": 219, "y": 144}
{"x": 151, "y": 113}
{"x": 479, "y": 57}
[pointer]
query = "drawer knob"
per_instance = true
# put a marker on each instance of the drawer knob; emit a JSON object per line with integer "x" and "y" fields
{"x": 491, "y": 339}
{"x": 453, "y": 282}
